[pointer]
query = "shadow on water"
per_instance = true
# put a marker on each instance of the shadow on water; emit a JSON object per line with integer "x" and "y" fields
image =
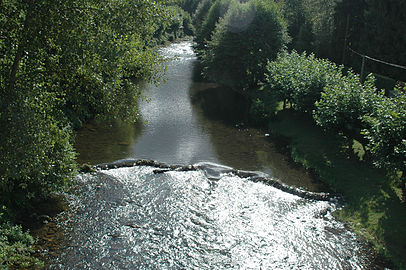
{"x": 98, "y": 142}
{"x": 221, "y": 104}
{"x": 223, "y": 113}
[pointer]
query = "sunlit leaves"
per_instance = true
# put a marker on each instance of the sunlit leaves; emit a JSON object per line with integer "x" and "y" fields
{"x": 62, "y": 62}
{"x": 300, "y": 79}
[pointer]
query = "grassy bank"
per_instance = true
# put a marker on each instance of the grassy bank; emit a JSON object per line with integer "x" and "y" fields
{"x": 373, "y": 209}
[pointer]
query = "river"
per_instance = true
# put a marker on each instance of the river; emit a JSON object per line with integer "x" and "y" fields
{"x": 133, "y": 218}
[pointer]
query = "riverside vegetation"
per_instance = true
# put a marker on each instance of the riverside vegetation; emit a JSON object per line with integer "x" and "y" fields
{"x": 344, "y": 128}
{"x": 65, "y": 62}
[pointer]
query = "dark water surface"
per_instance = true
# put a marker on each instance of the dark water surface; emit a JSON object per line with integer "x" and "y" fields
{"x": 131, "y": 218}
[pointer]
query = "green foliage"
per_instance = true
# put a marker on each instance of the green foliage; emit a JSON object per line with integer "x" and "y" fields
{"x": 189, "y": 6}
{"x": 343, "y": 103}
{"x": 300, "y": 79}
{"x": 375, "y": 30}
{"x": 299, "y": 25}
{"x": 200, "y": 14}
{"x": 204, "y": 34}
{"x": 264, "y": 105}
{"x": 66, "y": 59}
{"x": 16, "y": 246}
{"x": 386, "y": 131}
{"x": 247, "y": 37}
{"x": 320, "y": 14}
{"x": 178, "y": 24}
{"x": 36, "y": 155}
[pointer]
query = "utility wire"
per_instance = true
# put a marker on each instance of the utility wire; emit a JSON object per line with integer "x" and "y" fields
{"x": 377, "y": 60}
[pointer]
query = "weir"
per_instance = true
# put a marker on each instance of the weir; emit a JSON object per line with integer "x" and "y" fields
{"x": 193, "y": 189}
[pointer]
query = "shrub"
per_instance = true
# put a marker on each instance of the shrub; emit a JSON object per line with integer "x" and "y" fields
{"x": 16, "y": 246}
{"x": 344, "y": 103}
{"x": 300, "y": 78}
{"x": 386, "y": 133}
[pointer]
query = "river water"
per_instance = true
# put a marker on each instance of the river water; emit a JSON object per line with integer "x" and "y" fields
{"x": 133, "y": 218}
{"x": 184, "y": 122}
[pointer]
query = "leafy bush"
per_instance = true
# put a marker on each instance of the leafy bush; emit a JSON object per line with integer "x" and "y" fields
{"x": 300, "y": 78}
{"x": 386, "y": 133}
{"x": 343, "y": 104}
{"x": 16, "y": 246}
{"x": 36, "y": 155}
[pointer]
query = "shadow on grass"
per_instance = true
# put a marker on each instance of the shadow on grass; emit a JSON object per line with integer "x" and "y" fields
{"x": 373, "y": 208}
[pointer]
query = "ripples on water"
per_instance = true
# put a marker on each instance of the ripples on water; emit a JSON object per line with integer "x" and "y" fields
{"x": 130, "y": 218}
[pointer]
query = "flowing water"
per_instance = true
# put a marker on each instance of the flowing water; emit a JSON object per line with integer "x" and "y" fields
{"x": 184, "y": 122}
{"x": 133, "y": 218}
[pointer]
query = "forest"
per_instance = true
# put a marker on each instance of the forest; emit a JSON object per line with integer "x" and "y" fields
{"x": 66, "y": 62}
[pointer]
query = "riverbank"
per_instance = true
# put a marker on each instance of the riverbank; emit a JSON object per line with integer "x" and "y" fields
{"x": 374, "y": 209}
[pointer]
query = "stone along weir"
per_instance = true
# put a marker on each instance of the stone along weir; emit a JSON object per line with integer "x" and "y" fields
{"x": 137, "y": 214}
{"x": 204, "y": 216}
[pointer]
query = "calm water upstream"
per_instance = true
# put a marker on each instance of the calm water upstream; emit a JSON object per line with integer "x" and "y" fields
{"x": 184, "y": 122}
{"x": 131, "y": 218}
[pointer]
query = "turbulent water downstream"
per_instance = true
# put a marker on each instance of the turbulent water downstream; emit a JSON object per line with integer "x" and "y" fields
{"x": 133, "y": 218}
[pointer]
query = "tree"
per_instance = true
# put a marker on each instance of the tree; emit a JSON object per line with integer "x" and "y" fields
{"x": 247, "y": 37}
{"x": 300, "y": 78}
{"x": 299, "y": 25}
{"x": 201, "y": 13}
{"x": 204, "y": 34}
{"x": 63, "y": 62}
{"x": 344, "y": 102}
{"x": 386, "y": 134}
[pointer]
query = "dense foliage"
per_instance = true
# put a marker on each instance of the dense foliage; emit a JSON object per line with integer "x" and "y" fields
{"x": 339, "y": 102}
{"x": 386, "y": 133}
{"x": 299, "y": 79}
{"x": 216, "y": 11}
{"x": 239, "y": 44}
{"x": 16, "y": 246}
{"x": 61, "y": 63}
{"x": 343, "y": 103}
{"x": 242, "y": 42}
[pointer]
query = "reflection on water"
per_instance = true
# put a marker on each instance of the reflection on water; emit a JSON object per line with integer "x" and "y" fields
{"x": 131, "y": 218}
{"x": 105, "y": 142}
{"x": 186, "y": 122}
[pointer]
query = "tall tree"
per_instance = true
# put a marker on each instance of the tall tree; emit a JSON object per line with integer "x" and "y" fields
{"x": 66, "y": 59}
{"x": 249, "y": 35}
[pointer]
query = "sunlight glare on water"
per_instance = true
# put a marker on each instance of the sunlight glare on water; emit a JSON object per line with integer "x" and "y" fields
{"x": 131, "y": 218}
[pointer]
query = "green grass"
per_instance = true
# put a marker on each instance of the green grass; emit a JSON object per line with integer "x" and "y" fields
{"x": 373, "y": 207}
